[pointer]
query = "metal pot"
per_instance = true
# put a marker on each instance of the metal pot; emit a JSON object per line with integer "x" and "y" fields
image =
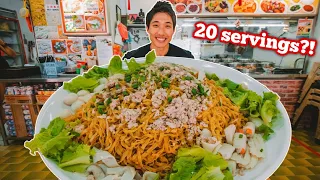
{"x": 228, "y": 60}
{"x": 245, "y": 60}
{"x": 234, "y": 65}
{"x": 214, "y": 60}
{"x": 70, "y": 69}
{"x": 248, "y": 67}
{"x": 268, "y": 66}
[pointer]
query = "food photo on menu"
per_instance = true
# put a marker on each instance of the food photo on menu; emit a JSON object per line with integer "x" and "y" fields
{"x": 163, "y": 90}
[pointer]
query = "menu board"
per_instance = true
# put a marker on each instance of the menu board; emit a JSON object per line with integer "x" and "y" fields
{"x": 83, "y": 17}
{"x": 258, "y": 7}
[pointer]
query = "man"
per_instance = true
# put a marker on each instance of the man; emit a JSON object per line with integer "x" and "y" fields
{"x": 7, "y": 50}
{"x": 161, "y": 23}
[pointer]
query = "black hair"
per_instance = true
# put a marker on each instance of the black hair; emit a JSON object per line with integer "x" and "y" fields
{"x": 162, "y": 6}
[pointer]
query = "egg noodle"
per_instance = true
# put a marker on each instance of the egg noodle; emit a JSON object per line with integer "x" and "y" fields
{"x": 144, "y": 147}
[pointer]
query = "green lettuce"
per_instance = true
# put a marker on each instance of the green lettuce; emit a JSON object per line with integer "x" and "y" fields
{"x": 213, "y": 173}
{"x": 55, "y": 142}
{"x": 196, "y": 163}
{"x": 266, "y": 130}
{"x": 77, "y": 157}
{"x": 80, "y": 83}
{"x": 212, "y": 76}
{"x": 268, "y": 111}
{"x": 133, "y": 65}
{"x": 253, "y": 104}
{"x": 115, "y": 66}
{"x": 51, "y": 141}
{"x": 269, "y": 108}
{"x": 96, "y": 73}
{"x": 150, "y": 57}
{"x": 183, "y": 168}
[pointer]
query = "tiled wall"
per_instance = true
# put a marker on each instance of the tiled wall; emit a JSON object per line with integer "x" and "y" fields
{"x": 288, "y": 90}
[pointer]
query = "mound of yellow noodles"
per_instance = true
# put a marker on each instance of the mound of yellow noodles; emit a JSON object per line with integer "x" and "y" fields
{"x": 145, "y": 117}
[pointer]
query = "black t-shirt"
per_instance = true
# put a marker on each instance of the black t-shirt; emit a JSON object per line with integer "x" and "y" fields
{"x": 174, "y": 51}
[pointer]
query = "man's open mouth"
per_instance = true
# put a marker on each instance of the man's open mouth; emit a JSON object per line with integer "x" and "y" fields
{"x": 161, "y": 39}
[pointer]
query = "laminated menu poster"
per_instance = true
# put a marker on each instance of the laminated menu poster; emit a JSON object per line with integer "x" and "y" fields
{"x": 59, "y": 46}
{"x": 257, "y": 7}
{"x": 53, "y": 15}
{"x": 46, "y": 32}
{"x": 105, "y": 52}
{"x": 44, "y": 46}
{"x": 304, "y": 28}
{"x": 187, "y": 6}
{"x": 89, "y": 51}
{"x": 83, "y": 16}
{"x": 74, "y": 45}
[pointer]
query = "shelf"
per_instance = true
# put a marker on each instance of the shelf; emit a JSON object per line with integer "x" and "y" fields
{"x": 136, "y": 25}
{"x": 10, "y": 31}
{"x": 18, "y": 138}
{"x": 245, "y": 15}
{"x": 18, "y": 54}
{"x": 211, "y": 44}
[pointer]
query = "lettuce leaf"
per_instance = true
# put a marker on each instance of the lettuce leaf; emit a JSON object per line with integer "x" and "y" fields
{"x": 267, "y": 131}
{"x": 270, "y": 96}
{"x": 115, "y": 66}
{"x": 51, "y": 141}
{"x": 96, "y": 73}
{"x": 227, "y": 175}
{"x": 268, "y": 111}
{"x": 253, "y": 104}
{"x": 195, "y": 151}
{"x": 76, "y": 154}
{"x": 212, "y": 76}
{"x": 214, "y": 173}
{"x": 80, "y": 83}
{"x": 133, "y": 65}
{"x": 80, "y": 168}
{"x": 150, "y": 57}
{"x": 183, "y": 168}
{"x": 196, "y": 163}
{"x": 215, "y": 161}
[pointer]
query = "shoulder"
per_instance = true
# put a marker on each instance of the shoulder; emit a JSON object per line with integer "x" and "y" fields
{"x": 179, "y": 52}
{"x": 136, "y": 53}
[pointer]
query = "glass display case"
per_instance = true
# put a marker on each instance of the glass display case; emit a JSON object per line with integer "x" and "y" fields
{"x": 10, "y": 32}
{"x": 227, "y": 54}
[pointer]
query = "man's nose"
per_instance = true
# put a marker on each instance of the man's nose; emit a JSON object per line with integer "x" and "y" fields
{"x": 161, "y": 31}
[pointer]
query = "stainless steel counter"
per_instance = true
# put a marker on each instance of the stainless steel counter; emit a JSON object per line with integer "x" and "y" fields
{"x": 278, "y": 76}
{"x": 39, "y": 78}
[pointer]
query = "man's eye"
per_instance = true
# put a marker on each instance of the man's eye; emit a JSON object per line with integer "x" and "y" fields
{"x": 155, "y": 25}
{"x": 168, "y": 27}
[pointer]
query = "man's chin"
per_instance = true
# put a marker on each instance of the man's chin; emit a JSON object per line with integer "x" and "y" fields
{"x": 161, "y": 45}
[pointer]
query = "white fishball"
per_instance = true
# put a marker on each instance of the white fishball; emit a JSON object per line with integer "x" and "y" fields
{"x": 102, "y": 80}
{"x": 76, "y": 105}
{"x": 70, "y": 99}
{"x": 83, "y": 92}
{"x": 99, "y": 88}
{"x": 65, "y": 113}
{"x": 86, "y": 98}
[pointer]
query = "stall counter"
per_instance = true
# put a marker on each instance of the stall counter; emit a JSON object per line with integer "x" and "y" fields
{"x": 41, "y": 78}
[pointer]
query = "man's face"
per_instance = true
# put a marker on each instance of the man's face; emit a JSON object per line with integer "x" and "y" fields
{"x": 161, "y": 29}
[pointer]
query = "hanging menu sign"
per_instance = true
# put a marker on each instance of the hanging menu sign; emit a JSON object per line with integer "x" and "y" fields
{"x": 53, "y": 15}
{"x": 83, "y": 17}
{"x": 246, "y": 7}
